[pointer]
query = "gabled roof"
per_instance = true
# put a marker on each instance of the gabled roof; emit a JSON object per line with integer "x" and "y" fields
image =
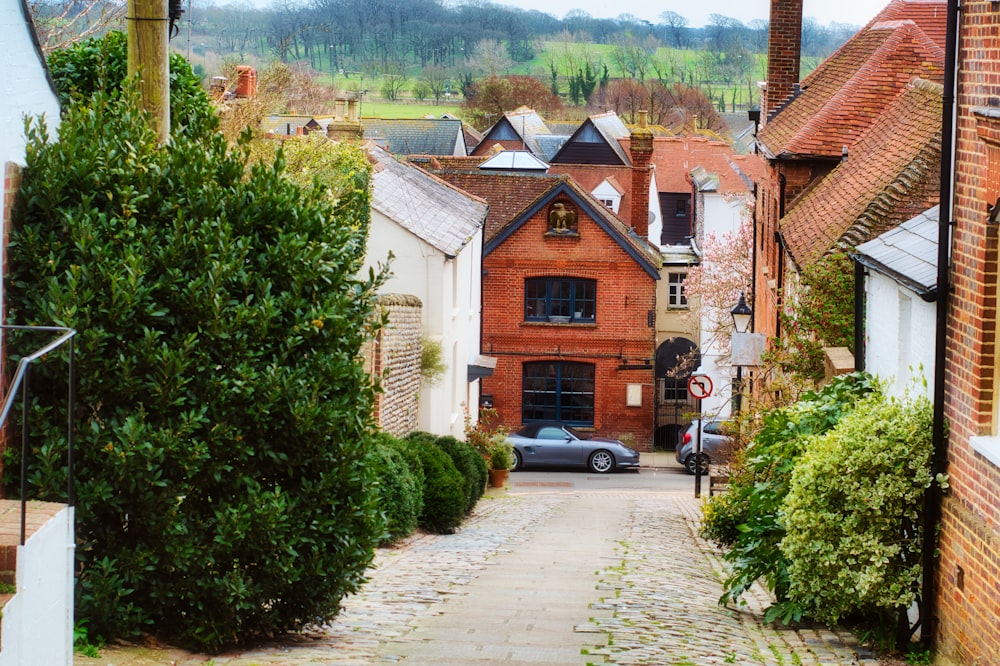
{"x": 522, "y": 125}
{"x": 845, "y": 95}
{"x": 434, "y": 211}
{"x": 514, "y": 197}
{"x": 907, "y": 254}
{"x": 291, "y": 124}
{"x": 596, "y": 141}
{"x": 423, "y": 136}
{"x": 890, "y": 175}
{"x": 635, "y": 247}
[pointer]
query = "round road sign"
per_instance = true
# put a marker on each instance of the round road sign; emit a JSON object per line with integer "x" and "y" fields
{"x": 700, "y": 386}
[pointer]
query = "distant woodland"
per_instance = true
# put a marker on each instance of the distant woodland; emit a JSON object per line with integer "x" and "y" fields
{"x": 434, "y": 50}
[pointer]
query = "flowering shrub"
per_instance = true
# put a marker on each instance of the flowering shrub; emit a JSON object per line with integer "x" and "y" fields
{"x": 852, "y": 516}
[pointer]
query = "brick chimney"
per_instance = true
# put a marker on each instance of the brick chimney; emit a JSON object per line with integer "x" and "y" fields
{"x": 784, "y": 49}
{"x": 641, "y": 152}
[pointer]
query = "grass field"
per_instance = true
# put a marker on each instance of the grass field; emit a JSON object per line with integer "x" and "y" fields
{"x": 405, "y": 109}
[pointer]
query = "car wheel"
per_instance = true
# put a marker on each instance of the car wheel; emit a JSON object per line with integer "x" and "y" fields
{"x": 517, "y": 461}
{"x": 697, "y": 464}
{"x": 601, "y": 461}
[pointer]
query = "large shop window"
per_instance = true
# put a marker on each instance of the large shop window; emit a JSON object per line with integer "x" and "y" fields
{"x": 554, "y": 391}
{"x": 560, "y": 299}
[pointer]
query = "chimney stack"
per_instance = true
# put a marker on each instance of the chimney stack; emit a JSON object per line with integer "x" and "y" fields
{"x": 641, "y": 152}
{"x": 784, "y": 49}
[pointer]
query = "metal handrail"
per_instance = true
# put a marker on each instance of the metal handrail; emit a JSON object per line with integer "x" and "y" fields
{"x": 22, "y": 377}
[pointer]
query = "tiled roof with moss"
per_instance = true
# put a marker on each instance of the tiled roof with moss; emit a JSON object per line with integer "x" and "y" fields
{"x": 845, "y": 95}
{"x": 889, "y": 176}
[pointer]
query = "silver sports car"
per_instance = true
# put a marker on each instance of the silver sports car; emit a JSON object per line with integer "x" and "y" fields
{"x": 552, "y": 443}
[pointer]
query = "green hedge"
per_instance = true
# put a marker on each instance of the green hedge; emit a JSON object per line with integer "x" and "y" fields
{"x": 400, "y": 489}
{"x": 470, "y": 465}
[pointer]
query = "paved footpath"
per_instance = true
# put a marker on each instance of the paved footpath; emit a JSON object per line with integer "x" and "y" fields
{"x": 595, "y": 577}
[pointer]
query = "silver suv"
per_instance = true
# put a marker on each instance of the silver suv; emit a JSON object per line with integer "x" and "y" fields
{"x": 715, "y": 444}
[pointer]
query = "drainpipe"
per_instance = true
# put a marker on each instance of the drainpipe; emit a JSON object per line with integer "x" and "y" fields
{"x": 859, "y": 316}
{"x": 939, "y": 459}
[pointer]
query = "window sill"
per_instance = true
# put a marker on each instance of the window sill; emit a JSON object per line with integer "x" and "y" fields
{"x": 987, "y": 447}
{"x": 589, "y": 322}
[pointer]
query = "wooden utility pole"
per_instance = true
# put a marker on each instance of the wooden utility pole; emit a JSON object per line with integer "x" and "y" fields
{"x": 148, "y": 27}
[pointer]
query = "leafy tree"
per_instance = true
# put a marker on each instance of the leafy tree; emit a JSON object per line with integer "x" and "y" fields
{"x": 223, "y": 419}
{"x": 492, "y": 97}
{"x": 101, "y": 63}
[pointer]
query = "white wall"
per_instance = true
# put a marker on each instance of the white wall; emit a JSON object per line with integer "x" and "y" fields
{"x": 450, "y": 290}
{"x": 38, "y": 620}
{"x": 899, "y": 336}
{"x": 24, "y": 90}
{"x": 720, "y": 215}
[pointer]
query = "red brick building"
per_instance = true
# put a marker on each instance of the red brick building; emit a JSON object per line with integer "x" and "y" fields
{"x": 968, "y": 571}
{"x": 568, "y": 306}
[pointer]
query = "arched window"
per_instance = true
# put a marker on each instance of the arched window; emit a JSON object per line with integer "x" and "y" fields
{"x": 558, "y": 391}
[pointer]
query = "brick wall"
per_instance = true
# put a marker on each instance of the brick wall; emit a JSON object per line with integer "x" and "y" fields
{"x": 784, "y": 49}
{"x": 395, "y": 357}
{"x": 625, "y": 295}
{"x": 968, "y": 574}
{"x": 12, "y": 174}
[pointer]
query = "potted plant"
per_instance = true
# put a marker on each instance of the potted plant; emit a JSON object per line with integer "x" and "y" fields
{"x": 500, "y": 461}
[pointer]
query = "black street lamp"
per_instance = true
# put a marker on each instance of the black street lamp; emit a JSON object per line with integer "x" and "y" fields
{"x": 742, "y": 317}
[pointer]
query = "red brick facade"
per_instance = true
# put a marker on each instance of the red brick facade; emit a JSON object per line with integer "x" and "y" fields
{"x": 968, "y": 575}
{"x": 619, "y": 342}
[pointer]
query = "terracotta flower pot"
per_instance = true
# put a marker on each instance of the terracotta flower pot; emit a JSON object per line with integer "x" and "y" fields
{"x": 498, "y": 477}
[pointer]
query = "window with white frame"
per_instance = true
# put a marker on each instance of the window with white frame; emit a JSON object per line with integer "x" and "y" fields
{"x": 676, "y": 297}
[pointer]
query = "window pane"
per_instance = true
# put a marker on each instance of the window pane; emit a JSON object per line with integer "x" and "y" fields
{"x": 562, "y": 295}
{"x": 534, "y": 299}
{"x": 558, "y": 391}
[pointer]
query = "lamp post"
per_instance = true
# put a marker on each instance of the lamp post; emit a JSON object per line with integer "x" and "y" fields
{"x": 742, "y": 318}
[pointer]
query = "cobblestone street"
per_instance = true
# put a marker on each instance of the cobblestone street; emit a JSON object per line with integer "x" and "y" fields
{"x": 653, "y": 594}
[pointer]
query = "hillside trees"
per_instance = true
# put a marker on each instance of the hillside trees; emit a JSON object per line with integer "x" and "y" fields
{"x": 490, "y": 98}
{"x": 223, "y": 427}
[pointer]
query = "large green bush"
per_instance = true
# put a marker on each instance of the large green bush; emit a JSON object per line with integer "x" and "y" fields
{"x": 853, "y": 512}
{"x": 444, "y": 486}
{"x": 470, "y": 465}
{"x": 223, "y": 418}
{"x": 747, "y": 518}
{"x": 101, "y": 64}
{"x": 400, "y": 489}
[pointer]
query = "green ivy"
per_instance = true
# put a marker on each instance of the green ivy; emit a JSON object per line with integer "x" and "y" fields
{"x": 821, "y": 315}
{"x": 224, "y": 419}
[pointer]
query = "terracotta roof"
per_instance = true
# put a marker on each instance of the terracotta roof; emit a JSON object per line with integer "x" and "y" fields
{"x": 844, "y": 96}
{"x": 675, "y": 157}
{"x": 428, "y": 207}
{"x": 506, "y": 193}
{"x": 928, "y": 14}
{"x": 890, "y": 175}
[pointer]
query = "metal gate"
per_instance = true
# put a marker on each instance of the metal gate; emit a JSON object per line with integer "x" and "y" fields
{"x": 674, "y": 410}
